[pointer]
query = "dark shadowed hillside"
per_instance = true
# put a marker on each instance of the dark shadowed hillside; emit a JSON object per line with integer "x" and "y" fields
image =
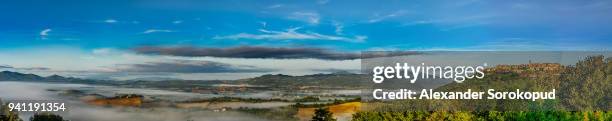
{"x": 320, "y": 80}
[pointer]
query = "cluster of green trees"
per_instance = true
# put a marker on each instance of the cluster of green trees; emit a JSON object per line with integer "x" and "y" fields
{"x": 584, "y": 93}
{"x": 36, "y": 117}
{"x": 6, "y": 114}
{"x": 484, "y": 116}
{"x": 323, "y": 114}
{"x": 46, "y": 117}
{"x": 587, "y": 85}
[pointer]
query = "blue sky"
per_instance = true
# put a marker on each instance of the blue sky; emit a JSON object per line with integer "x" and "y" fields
{"x": 57, "y": 34}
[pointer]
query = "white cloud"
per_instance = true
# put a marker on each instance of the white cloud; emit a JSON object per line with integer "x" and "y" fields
{"x": 361, "y": 37}
{"x": 102, "y": 51}
{"x": 339, "y": 28}
{"x": 45, "y": 32}
{"x": 378, "y": 18}
{"x": 69, "y": 39}
{"x": 177, "y": 22}
{"x": 148, "y": 31}
{"x": 275, "y": 6}
{"x": 110, "y": 21}
{"x": 291, "y": 34}
{"x": 309, "y": 17}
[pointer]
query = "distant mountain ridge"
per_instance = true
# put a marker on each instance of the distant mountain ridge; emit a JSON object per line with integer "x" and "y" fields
{"x": 16, "y": 76}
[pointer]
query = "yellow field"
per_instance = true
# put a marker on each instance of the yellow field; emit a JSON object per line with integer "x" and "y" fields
{"x": 342, "y": 112}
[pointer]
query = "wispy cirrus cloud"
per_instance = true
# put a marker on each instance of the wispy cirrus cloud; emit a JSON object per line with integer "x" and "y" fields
{"x": 148, "y": 31}
{"x": 177, "y": 22}
{"x": 44, "y": 33}
{"x": 275, "y": 6}
{"x": 291, "y": 34}
{"x": 110, "y": 21}
{"x": 309, "y": 17}
{"x": 378, "y": 17}
{"x": 339, "y": 28}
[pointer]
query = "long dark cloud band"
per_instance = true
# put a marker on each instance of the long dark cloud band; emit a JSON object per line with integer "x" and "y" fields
{"x": 258, "y": 52}
{"x": 184, "y": 66}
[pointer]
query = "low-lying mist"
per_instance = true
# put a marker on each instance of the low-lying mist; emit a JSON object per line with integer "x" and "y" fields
{"x": 79, "y": 111}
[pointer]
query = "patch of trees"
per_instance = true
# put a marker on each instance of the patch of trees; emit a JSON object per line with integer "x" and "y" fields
{"x": 483, "y": 116}
{"x": 323, "y": 114}
{"x": 6, "y": 114}
{"x": 46, "y": 117}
